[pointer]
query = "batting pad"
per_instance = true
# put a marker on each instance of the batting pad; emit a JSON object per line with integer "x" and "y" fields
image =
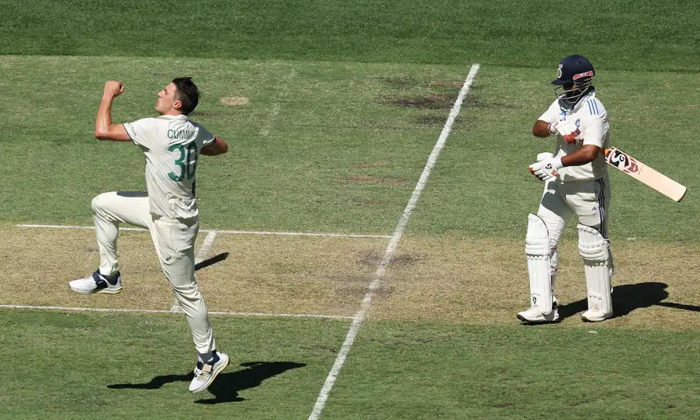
{"x": 538, "y": 267}
{"x": 593, "y": 247}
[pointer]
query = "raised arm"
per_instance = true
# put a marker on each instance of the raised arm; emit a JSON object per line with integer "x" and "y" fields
{"x": 104, "y": 129}
{"x": 219, "y": 147}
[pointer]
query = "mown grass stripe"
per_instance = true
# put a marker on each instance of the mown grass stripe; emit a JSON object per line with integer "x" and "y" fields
{"x": 391, "y": 249}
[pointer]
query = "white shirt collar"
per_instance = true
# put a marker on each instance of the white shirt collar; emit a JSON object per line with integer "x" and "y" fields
{"x": 173, "y": 117}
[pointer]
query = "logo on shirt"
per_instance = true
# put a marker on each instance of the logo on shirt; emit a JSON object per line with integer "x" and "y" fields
{"x": 181, "y": 134}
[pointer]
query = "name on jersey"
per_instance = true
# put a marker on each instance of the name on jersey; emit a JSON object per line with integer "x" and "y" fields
{"x": 180, "y": 134}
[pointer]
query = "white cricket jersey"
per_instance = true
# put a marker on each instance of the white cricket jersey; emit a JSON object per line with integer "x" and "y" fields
{"x": 171, "y": 144}
{"x": 590, "y": 116}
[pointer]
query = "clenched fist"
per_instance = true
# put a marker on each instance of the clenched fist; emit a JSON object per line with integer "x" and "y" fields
{"x": 113, "y": 88}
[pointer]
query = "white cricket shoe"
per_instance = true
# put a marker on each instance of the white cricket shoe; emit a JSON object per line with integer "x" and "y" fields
{"x": 535, "y": 316}
{"x": 595, "y": 316}
{"x": 205, "y": 373}
{"x": 97, "y": 283}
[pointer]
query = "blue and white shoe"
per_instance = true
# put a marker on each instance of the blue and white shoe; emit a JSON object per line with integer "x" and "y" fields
{"x": 205, "y": 373}
{"x": 97, "y": 283}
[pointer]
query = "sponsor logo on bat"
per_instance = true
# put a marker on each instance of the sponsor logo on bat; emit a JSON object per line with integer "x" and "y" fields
{"x": 622, "y": 161}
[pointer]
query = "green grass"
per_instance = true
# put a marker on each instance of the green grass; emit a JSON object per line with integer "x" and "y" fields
{"x": 622, "y": 34}
{"x": 327, "y": 145}
{"x": 115, "y": 366}
{"x": 82, "y": 366}
{"x": 428, "y": 371}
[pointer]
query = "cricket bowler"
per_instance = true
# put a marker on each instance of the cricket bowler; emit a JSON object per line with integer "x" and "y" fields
{"x": 575, "y": 183}
{"x": 172, "y": 145}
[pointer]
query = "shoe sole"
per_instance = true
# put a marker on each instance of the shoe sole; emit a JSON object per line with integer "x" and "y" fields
{"x": 90, "y": 292}
{"x": 527, "y": 321}
{"x": 213, "y": 377}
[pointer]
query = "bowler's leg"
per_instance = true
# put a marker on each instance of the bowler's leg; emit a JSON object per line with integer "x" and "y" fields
{"x": 175, "y": 244}
{"x": 111, "y": 209}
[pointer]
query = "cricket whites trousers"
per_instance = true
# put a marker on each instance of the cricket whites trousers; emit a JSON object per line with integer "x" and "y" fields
{"x": 589, "y": 200}
{"x": 174, "y": 242}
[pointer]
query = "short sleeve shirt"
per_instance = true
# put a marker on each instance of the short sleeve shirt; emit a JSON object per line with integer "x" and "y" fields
{"x": 171, "y": 145}
{"x": 590, "y": 116}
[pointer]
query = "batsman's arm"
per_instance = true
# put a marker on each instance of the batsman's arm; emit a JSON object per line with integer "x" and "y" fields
{"x": 586, "y": 154}
{"x": 219, "y": 147}
{"x": 104, "y": 129}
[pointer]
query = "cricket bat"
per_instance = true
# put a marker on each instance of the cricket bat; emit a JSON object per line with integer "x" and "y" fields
{"x": 644, "y": 174}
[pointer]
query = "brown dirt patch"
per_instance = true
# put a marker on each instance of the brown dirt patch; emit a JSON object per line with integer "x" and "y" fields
{"x": 37, "y": 264}
{"x": 234, "y": 100}
{"x": 430, "y": 101}
{"x": 268, "y": 274}
{"x": 486, "y": 282}
{"x": 443, "y": 279}
{"x": 446, "y": 83}
{"x": 279, "y": 274}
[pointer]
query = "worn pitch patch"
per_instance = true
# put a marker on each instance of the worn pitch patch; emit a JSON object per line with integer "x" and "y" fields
{"x": 37, "y": 264}
{"x": 439, "y": 279}
{"x": 296, "y": 275}
{"x": 485, "y": 282}
{"x": 290, "y": 274}
{"x": 234, "y": 100}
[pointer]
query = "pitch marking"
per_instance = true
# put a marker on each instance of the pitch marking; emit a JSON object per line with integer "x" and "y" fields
{"x": 233, "y": 232}
{"x": 391, "y": 249}
{"x": 156, "y": 311}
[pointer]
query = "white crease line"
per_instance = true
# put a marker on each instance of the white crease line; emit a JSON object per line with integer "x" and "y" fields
{"x": 206, "y": 245}
{"x": 201, "y": 256}
{"x": 379, "y": 275}
{"x": 234, "y": 232}
{"x": 156, "y": 311}
{"x": 334, "y": 235}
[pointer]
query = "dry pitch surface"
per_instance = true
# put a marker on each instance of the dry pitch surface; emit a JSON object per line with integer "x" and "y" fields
{"x": 448, "y": 279}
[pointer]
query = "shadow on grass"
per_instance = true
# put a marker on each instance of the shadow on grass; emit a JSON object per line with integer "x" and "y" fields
{"x": 211, "y": 261}
{"x": 226, "y": 386}
{"x": 628, "y": 297}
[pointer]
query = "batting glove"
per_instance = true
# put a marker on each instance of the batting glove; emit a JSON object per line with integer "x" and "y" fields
{"x": 546, "y": 166}
{"x": 567, "y": 129}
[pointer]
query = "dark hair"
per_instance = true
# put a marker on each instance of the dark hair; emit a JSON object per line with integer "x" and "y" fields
{"x": 187, "y": 93}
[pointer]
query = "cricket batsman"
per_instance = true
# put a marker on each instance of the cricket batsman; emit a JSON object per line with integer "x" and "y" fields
{"x": 172, "y": 145}
{"x": 575, "y": 183}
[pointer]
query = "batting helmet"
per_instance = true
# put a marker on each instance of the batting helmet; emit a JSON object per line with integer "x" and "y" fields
{"x": 574, "y": 76}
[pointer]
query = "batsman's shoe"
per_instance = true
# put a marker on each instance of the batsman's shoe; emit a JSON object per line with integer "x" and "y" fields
{"x": 97, "y": 283}
{"x": 595, "y": 316}
{"x": 535, "y": 316}
{"x": 205, "y": 373}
